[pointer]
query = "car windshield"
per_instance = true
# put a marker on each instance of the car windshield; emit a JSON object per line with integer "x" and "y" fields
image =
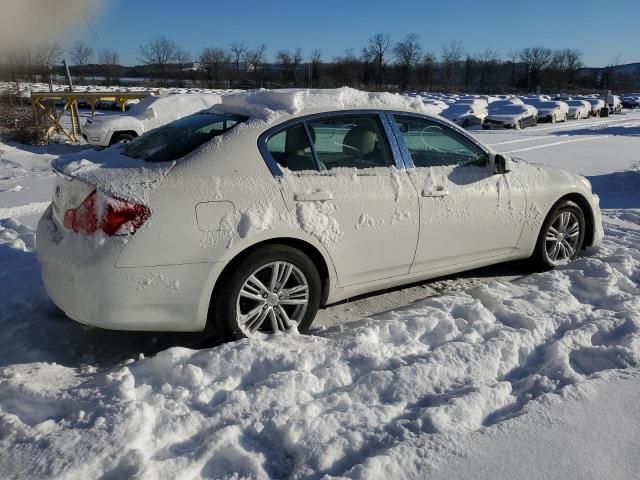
{"x": 181, "y": 137}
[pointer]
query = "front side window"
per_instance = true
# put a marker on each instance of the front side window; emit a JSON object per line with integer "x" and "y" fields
{"x": 432, "y": 144}
{"x": 350, "y": 141}
{"x": 177, "y": 139}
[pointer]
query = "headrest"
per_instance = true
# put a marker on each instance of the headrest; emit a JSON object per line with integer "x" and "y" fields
{"x": 359, "y": 141}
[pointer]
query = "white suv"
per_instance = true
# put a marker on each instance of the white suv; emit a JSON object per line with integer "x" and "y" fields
{"x": 151, "y": 112}
{"x": 247, "y": 218}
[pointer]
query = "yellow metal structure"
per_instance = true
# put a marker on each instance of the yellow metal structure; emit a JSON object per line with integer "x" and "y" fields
{"x": 42, "y": 108}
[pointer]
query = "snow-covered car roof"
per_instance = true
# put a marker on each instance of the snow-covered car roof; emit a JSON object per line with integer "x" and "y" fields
{"x": 270, "y": 105}
{"x": 176, "y": 105}
{"x": 460, "y": 109}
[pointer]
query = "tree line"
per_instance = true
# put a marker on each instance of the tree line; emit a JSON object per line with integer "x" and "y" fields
{"x": 382, "y": 64}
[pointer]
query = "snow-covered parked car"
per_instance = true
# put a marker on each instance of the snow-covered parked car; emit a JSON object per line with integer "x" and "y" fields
{"x": 510, "y": 115}
{"x": 614, "y": 103}
{"x": 247, "y": 218}
{"x": 149, "y": 113}
{"x": 466, "y": 114}
{"x": 578, "y": 109}
{"x": 597, "y": 104}
{"x": 548, "y": 110}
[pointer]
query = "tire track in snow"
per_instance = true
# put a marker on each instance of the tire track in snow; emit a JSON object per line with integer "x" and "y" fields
{"x": 555, "y": 144}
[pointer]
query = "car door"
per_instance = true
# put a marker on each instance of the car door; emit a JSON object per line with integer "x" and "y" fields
{"x": 346, "y": 186}
{"x": 467, "y": 212}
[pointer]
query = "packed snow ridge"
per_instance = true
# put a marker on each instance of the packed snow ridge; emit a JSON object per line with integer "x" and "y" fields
{"x": 269, "y": 104}
{"x": 368, "y": 400}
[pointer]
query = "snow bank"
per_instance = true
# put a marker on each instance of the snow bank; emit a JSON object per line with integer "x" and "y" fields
{"x": 268, "y": 104}
{"x": 380, "y": 395}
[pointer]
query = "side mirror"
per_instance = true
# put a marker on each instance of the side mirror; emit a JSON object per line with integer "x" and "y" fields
{"x": 150, "y": 113}
{"x": 501, "y": 164}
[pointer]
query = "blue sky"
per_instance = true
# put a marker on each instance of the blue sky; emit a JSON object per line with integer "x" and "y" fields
{"x": 333, "y": 26}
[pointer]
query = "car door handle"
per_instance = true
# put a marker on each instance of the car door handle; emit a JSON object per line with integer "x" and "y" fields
{"x": 321, "y": 196}
{"x": 438, "y": 192}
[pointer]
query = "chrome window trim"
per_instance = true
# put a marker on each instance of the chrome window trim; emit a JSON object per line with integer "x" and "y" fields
{"x": 275, "y": 169}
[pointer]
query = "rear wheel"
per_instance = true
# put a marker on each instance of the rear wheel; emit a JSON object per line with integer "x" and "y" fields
{"x": 561, "y": 236}
{"x": 121, "y": 137}
{"x": 270, "y": 290}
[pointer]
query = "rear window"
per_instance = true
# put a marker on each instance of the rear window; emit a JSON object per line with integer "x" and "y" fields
{"x": 177, "y": 139}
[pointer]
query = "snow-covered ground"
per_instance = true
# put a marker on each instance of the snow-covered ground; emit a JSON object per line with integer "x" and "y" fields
{"x": 491, "y": 374}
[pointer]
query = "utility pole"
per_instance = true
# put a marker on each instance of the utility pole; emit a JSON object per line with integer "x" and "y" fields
{"x": 75, "y": 114}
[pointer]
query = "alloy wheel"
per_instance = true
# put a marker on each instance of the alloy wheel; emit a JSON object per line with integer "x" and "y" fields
{"x": 563, "y": 235}
{"x": 273, "y": 298}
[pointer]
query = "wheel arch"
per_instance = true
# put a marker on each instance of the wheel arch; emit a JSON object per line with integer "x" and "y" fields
{"x": 123, "y": 132}
{"x": 589, "y": 218}
{"x": 320, "y": 260}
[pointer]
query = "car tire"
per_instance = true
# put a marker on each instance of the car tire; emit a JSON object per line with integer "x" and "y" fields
{"x": 542, "y": 258}
{"x": 518, "y": 125}
{"x": 121, "y": 137}
{"x": 229, "y": 304}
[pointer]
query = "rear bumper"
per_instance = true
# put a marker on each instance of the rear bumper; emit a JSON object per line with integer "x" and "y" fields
{"x": 92, "y": 291}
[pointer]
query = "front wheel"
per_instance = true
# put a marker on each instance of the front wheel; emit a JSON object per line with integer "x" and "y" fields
{"x": 271, "y": 290}
{"x": 121, "y": 137}
{"x": 561, "y": 236}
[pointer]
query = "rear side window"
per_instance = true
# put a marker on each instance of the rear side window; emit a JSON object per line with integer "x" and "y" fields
{"x": 347, "y": 141}
{"x": 177, "y": 139}
{"x": 291, "y": 149}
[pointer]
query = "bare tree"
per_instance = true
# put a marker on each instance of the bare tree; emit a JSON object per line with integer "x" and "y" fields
{"x": 451, "y": 58}
{"x": 513, "y": 57}
{"x": 367, "y": 56}
{"x": 378, "y": 47}
{"x": 81, "y": 53}
{"x": 344, "y": 69}
{"x": 159, "y": 54}
{"x": 254, "y": 59}
{"x": 427, "y": 69}
{"x": 213, "y": 61}
{"x": 237, "y": 50}
{"x": 183, "y": 59}
{"x": 109, "y": 59}
{"x": 289, "y": 63}
{"x": 574, "y": 63}
{"x": 45, "y": 56}
{"x": 407, "y": 54}
{"x": 315, "y": 60}
{"x": 487, "y": 62}
{"x": 536, "y": 60}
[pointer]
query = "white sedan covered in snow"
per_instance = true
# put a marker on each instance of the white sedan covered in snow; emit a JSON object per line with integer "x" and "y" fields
{"x": 578, "y": 109}
{"x": 506, "y": 114}
{"x": 247, "y": 218}
{"x": 549, "y": 110}
{"x": 151, "y": 112}
{"x": 466, "y": 114}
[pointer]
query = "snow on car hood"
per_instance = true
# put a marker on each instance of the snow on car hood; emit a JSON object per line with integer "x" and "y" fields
{"x": 270, "y": 104}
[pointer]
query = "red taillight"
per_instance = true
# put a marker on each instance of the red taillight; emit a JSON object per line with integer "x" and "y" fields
{"x": 111, "y": 215}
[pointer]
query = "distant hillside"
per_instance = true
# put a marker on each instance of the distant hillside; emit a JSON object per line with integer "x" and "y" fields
{"x": 628, "y": 74}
